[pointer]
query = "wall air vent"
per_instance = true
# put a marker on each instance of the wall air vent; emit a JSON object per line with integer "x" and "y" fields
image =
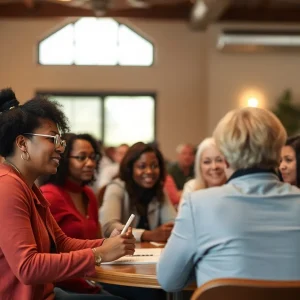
{"x": 258, "y": 41}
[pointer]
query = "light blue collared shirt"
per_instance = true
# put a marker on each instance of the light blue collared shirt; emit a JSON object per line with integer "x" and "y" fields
{"x": 248, "y": 228}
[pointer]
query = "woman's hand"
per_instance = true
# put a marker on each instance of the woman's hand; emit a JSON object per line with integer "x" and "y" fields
{"x": 117, "y": 246}
{"x": 115, "y": 232}
{"x": 129, "y": 234}
{"x": 159, "y": 234}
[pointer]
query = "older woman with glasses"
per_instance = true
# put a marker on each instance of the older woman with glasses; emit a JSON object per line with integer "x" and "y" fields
{"x": 34, "y": 251}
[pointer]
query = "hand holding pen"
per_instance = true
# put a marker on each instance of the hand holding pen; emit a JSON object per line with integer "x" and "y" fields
{"x": 116, "y": 232}
{"x": 118, "y": 245}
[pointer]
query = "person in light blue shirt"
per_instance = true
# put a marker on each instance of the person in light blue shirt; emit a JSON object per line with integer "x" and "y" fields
{"x": 247, "y": 228}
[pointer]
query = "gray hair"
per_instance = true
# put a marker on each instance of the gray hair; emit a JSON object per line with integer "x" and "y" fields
{"x": 180, "y": 147}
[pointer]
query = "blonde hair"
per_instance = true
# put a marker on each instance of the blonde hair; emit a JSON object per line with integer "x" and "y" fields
{"x": 206, "y": 143}
{"x": 250, "y": 137}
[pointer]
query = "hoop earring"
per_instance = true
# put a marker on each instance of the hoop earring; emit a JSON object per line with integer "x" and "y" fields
{"x": 27, "y": 156}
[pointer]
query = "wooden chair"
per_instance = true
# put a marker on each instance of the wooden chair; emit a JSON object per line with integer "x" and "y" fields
{"x": 247, "y": 289}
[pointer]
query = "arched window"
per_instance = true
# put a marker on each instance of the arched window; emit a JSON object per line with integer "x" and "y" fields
{"x": 96, "y": 41}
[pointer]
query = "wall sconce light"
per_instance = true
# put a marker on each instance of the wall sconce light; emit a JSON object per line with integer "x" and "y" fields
{"x": 251, "y": 97}
{"x": 252, "y": 102}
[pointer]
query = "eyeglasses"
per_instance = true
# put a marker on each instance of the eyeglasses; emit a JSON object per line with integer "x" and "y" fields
{"x": 58, "y": 142}
{"x": 84, "y": 158}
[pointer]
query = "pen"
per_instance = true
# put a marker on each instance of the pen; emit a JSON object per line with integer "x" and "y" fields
{"x": 128, "y": 224}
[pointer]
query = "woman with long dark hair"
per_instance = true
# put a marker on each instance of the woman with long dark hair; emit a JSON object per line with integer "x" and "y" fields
{"x": 139, "y": 190}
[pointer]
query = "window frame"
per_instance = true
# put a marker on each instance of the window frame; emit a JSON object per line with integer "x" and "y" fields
{"x": 88, "y": 65}
{"x": 102, "y": 96}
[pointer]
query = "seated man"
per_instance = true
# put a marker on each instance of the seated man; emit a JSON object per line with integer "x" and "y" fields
{"x": 247, "y": 228}
{"x": 183, "y": 169}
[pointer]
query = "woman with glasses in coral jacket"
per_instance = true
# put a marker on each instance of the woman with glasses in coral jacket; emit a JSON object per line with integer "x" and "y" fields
{"x": 34, "y": 251}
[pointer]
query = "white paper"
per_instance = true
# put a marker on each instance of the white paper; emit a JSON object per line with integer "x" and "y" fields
{"x": 157, "y": 244}
{"x": 141, "y": 256}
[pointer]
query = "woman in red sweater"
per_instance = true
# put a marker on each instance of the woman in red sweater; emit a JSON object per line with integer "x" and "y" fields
{"x": 73, "y": 203}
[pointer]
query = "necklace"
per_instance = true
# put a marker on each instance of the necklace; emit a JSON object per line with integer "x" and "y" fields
{"x": 12, "y": 165}
{"x": 18, "y": 171}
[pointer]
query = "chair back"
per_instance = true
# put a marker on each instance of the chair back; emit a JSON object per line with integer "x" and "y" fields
{"x": 247, "y": 289}
{"x": 100, "y": 195}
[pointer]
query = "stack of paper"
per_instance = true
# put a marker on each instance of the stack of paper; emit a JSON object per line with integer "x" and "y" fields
{"x": 141, "y": 256}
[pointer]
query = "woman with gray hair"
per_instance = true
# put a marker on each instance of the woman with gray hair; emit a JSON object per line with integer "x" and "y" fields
{"x": 209, "y": 168}
{"x": 247, "y": 228}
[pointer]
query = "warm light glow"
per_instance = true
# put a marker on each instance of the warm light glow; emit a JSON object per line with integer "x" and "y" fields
{"x": 252, "y": 97}
{"x": 252, "y": 102}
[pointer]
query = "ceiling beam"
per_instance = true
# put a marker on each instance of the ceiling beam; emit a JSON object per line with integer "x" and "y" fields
{"x": 29, "y": 3}
{"x": 204, "y": 12}
{"x": 282, "y": 14}
{"x": 266, "y": 3}
{"x": 45, "y": 9}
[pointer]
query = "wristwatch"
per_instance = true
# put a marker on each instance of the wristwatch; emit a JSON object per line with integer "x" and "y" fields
{"x": 98, "y": 258}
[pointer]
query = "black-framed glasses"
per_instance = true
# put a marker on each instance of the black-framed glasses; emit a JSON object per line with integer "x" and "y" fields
{"x": 84, "y": 158}
{"x": 58, "y": 141}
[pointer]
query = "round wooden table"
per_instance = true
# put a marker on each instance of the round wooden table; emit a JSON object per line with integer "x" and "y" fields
{"x": 138, "y": 275}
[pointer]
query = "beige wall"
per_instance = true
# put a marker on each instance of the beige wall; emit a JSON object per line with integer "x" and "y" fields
{"x": 178, "y": 77}
{"x": 195, "y": 84}
{"x": 266, "y": 75}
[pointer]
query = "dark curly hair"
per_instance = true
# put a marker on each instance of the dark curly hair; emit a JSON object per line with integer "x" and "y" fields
{"x": 63, "y": 170}
{"x": 18, "y": 119}
{"x": 294, "y": 142}
{"x": 126, "y": 174}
